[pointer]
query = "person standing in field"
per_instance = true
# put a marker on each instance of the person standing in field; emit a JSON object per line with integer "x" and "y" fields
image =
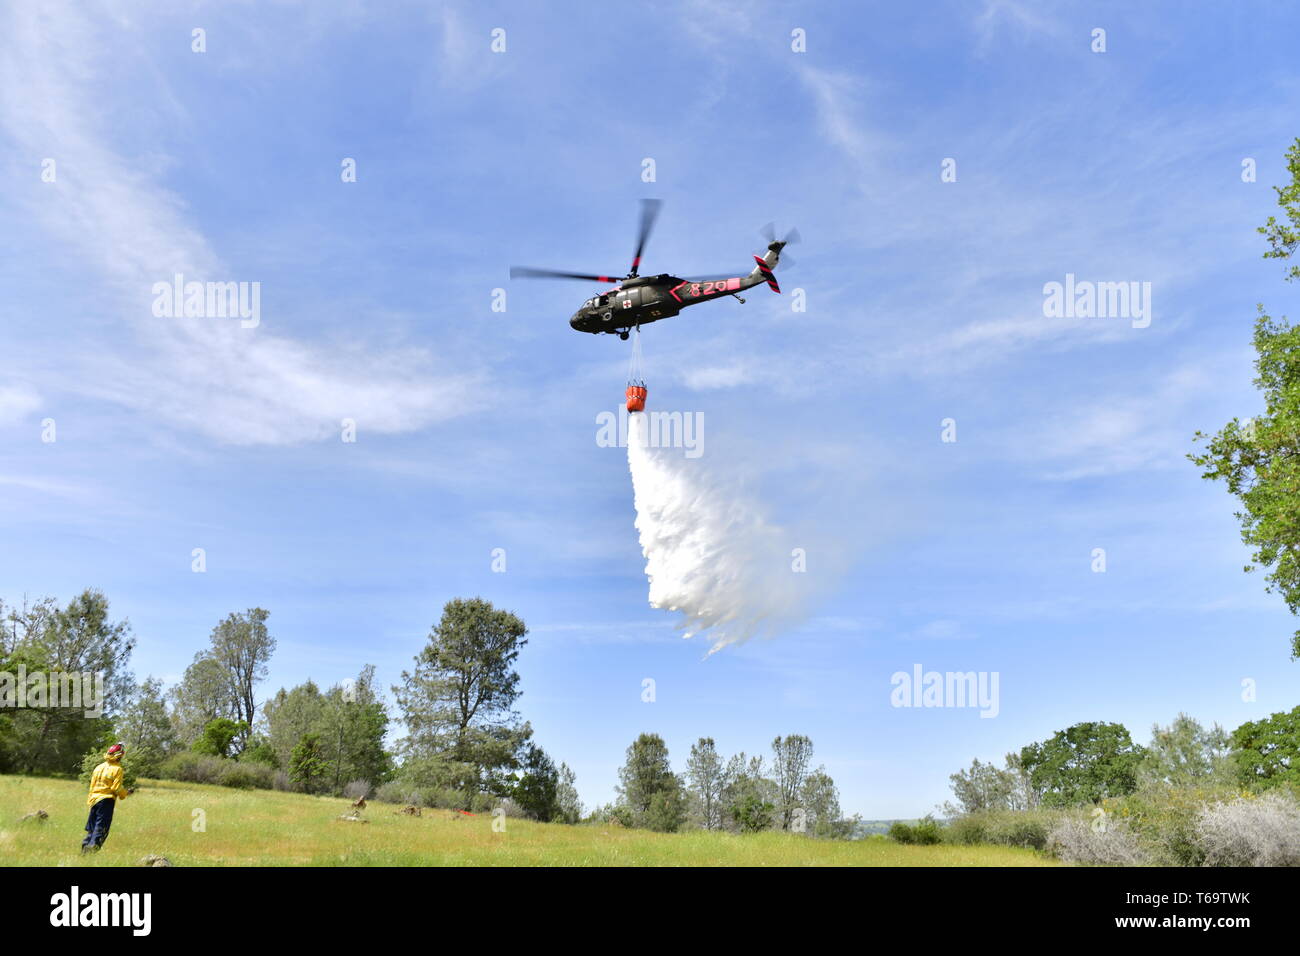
{"x": 106, "y": 788}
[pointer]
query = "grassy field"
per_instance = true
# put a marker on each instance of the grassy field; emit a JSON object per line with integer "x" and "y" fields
{"x": 267, "y": 828}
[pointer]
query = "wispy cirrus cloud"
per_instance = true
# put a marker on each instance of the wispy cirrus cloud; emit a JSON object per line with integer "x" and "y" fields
{"x": 231, "y": 384}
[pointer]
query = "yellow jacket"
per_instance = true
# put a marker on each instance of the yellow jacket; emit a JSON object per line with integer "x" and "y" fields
{"x": 106, "y": 781}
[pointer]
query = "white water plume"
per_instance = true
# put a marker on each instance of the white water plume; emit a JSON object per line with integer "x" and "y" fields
{"x": 709, "y": 555}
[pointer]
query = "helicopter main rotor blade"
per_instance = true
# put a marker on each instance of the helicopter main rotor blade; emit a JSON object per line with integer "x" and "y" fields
{"x": 523, "y": 272}
{"x": 649, "y": 213}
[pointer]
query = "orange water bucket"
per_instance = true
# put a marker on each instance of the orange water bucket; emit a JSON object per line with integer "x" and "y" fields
{"x": 636, "y": 398}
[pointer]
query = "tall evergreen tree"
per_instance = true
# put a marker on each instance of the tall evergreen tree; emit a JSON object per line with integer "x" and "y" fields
{"x": 458, "y": 703}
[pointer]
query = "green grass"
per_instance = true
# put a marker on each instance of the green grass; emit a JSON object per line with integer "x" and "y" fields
{"x": 267, "y": 828}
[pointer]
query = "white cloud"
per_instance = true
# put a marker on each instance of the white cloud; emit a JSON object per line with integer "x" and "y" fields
{"x": 233, "y": 384}
{"x": 17, "y": 402}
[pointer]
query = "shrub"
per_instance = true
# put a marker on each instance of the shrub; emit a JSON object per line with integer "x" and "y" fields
{"x": 1077, "y": 839}
{"x": 925, "y": 832}
{"x": 1028, "y": 829}
{"x": 246, "y": 776}
{"x": 1164, "y": 820}
{"x": 400, "y": 792}
{"x": 191, "y": 767}
{"x": 1251, "y": 831}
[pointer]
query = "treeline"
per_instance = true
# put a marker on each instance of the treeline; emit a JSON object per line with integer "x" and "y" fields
{"x": 1192, "y": 796}
{"x": 466, "y": 747}
{"x": 741, "y": 794}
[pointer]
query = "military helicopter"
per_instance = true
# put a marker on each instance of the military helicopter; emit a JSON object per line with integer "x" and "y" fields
{"x": 638, "y": 300}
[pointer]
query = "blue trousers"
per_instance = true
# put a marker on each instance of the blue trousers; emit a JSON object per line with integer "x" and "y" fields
{"x": 97, "y": 824}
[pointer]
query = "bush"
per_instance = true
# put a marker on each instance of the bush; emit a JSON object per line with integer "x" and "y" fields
{"x": 1164, "y": 820}
{"x": 1028, "y": 829}
{"x": 246, "y": 776}
{"x": 925, "y": 832}
{"x": 400, "y": 792}
{"x": 191, "y": 767}
{"x": 1109, "y": 842}
{"x": 1251, "y": 831}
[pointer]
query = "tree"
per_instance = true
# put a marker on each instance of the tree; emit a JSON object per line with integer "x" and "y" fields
{"x": 203, "y": 695}
{"x": 749, "y": 798}
{"x": 1185, "y": 754}
{"x": 1085, "y": 763}
{"x": 790, "y": 758}
{"x": 1259, "y": 460}
{"x": 647, "y": 785}
{"x": 537, "y": 789}
{"x": 1267, "y": 751}
{"x": 566, "y": 796}
{"x": 821, "y": 803}
{"x": 1284, "y": 238}
{"x": 359, "y": 722}
{"x": 243, "y": 646}
{"x": 458, "y": 703}
{"x": 349, "y": 720}
{"x": 307, "y": 767}
{"x": 982, "y": 787}
{"x": 145, "y": 728}
{"x": 75, "y": 649}
{"x": 290, "y": 714}
{"x": 706, "y": 776}
{"x": 1024, "y": 795}
{"x": 218, "y": 737}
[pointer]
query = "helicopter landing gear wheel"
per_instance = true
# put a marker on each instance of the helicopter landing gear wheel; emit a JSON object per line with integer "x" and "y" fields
{"x": 623, "y": 335}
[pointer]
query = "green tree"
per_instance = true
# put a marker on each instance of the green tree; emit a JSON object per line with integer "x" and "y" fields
{"x": 1185, "y": 754}
{"x": 1267, "y": 751}
{"x": 790, "y": 758}
{"x": 646, "y": 775}
{"x": 145, "y": 728}
{"x": 705, "y": 776}
{"x": 1284, "y": 237}
{"x": 1259, "y": 460}
{"x": 537, "y": 789}
{"x": 821, "y": 803}
{"x": 203, "y": 695}
{"x": 66, "y": 645}
{"x": 1085, "y": 763}
{"x": 218, "y": 737}
{"x": 983, "y": 787}
{"x": 749, "y": 797}
{"x": 566, "y": 795}
{"x": 458, "y": 703}
{"x": 243, "y": 646}
{"x": 289, "y": 714}
{"x": 307, "y": 765}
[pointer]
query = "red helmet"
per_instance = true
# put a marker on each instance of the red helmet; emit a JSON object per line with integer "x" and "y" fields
{"x": 115, "y": 749}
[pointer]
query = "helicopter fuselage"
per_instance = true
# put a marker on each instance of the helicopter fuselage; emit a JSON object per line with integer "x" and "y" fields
{"x": 646, "y": 299}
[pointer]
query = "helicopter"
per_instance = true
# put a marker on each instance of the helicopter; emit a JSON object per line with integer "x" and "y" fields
{"x": 638, "y": 300}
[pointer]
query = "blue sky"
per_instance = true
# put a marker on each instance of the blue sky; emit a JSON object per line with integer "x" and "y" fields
{"x": 477, "y": 430}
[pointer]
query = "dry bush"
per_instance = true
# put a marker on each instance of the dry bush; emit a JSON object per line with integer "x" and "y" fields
{"x": 1251, "y": 831}
{"x": 1074, "y": 840}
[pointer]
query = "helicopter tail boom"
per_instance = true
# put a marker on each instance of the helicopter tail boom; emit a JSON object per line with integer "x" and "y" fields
{"x": 764, "y": 265}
